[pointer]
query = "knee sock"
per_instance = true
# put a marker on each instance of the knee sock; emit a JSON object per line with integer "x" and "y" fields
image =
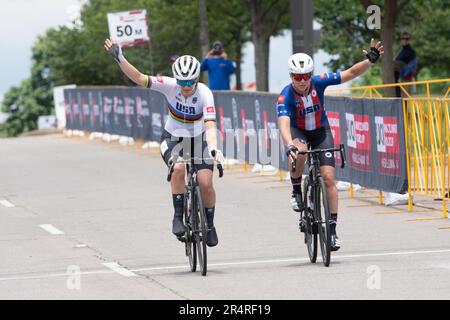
{"x": 333, "y": 223}
{"x": 178, "y": 204}
{"x": 210, "y": 216}
{"x": 296, "y": 185}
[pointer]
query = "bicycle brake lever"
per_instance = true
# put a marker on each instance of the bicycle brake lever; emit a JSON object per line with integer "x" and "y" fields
{"x": 342, "y": 151}
{"x": 220, "y": 168}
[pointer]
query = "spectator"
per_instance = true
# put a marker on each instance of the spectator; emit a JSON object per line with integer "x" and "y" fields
{"x": 405, "y": 64}
{"x": 219, "y": 67}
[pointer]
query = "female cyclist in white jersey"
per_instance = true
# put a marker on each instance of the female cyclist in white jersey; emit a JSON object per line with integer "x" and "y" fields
{"x": 191, "y": 122}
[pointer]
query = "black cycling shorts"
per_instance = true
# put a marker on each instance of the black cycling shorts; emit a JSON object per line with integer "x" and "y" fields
{"x": 185, "y": 147}
{"x": 321, "y": 138}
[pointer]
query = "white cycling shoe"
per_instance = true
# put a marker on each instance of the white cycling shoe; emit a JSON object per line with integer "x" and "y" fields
{"x": 335, "y": 243}
{"x": 296, "y": 202}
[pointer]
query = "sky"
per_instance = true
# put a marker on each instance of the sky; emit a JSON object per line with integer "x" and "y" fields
{"x": 22, "y": 21}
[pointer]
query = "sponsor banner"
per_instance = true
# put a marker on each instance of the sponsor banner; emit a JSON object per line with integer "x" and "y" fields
{"x": 376, "y": 154}
{"x": 333, "y": 120}
{"x": 248, "y": 126}
{"x": 159, "y": 114}
{"x": 358, "y": 141}
{"x": 95, "y": 102}
{"x": 370, "y": 129}
{"x": 388, "y": 146}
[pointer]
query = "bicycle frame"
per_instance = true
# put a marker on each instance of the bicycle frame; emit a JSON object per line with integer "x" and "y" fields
{"x": 194, "y": 214}
{"x": 311, "y": 217}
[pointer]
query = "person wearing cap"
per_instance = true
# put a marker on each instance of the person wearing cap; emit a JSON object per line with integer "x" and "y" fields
{"x": 405, "y": 64}
{"x": 219, "y": 67}
{"x": 302, "y": 120}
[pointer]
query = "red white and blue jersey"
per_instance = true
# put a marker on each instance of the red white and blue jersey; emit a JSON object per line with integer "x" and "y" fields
{"x": 307, "y": 112}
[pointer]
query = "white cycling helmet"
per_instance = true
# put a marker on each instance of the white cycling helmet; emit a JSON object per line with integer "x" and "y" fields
{"x": 300, "y": 63}
{"x": 186, "y": 68}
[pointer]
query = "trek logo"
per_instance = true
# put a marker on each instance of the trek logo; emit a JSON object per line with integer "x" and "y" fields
{"x": 185, "y": 109}
{"x": 311, "y": 109}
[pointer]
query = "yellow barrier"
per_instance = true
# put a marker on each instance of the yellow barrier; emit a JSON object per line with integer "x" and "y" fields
{"x": 427, "y": 138}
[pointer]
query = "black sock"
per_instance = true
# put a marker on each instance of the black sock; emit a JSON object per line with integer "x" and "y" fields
{"x": 333, "y": 223}
{"x": 296, "y": 185}
{"x": 210, "y": 216}
{"x": 178, "y": 204}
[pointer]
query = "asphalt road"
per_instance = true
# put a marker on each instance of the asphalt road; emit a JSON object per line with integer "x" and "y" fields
{"x": 90, "y": 220}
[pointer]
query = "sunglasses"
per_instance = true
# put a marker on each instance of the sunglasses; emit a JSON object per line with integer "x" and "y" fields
{"x": 301, "y": 76}
{"x": 186, "y": 83}
{"x": 405, "y": 38}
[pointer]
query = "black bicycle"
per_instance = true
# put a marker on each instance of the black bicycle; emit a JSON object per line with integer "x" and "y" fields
{"x": 315, "y": 217}
{"x": 194, "y": 213}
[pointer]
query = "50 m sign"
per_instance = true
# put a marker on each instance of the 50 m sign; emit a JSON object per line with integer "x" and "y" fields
{"x": 129, "y": 28}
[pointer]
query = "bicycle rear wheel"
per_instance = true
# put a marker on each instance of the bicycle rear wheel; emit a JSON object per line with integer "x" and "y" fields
{"x": 310, "y": 236}
{"x": 190, "y": 243}
{"x": 323, "y": 219}
{"x": 201, "y": 232}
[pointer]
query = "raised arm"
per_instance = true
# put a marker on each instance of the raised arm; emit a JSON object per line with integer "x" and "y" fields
{"x": 284, "y": 123}
{"x": 376, "y": 50}
{"x": 130, "y": 71}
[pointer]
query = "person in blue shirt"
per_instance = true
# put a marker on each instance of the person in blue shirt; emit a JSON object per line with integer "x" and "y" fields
{"x": 219, "y": 67}
{"x": 405, "y": 64}
{"x": 302, "y": 119}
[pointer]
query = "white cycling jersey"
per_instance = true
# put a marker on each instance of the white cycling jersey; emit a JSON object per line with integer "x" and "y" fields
{"x": 187, "y": 117}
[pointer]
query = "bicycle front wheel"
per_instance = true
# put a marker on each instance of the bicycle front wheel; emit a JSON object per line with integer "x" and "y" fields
{"x": 310, "y": 236}
{"x": 190, "y": 243}
{"x": 201, "y": 232}
{"x": 323, "y": 221}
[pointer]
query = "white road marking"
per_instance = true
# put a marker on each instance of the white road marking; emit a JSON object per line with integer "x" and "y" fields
{"x": 51, "y": 229}
{"x": 54, "y": 275}
{"x": 442, "y": 266}
{"x": 115, "y": 268}
{"x": 337, "y": 257}
{"x": 7, "y": 204}
{"x": 119, "y": 269}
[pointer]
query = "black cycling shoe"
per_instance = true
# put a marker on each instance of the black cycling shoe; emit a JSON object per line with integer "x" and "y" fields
{"x": 178, "y": 227}
{"x": 211, "y": 237}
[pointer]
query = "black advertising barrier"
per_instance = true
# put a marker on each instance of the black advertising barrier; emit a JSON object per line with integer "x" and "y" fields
{"x": 159, "y": 114}
{"x": 72, "y": 110}
{"x": 143, "y": 116}
{"x": 371, "y": 129}
{"x": 257, "y": 139}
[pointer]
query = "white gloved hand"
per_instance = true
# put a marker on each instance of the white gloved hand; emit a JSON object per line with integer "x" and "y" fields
{"x": 217, "y": 155}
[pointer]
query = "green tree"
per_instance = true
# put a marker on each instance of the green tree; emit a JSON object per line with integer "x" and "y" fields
{"x": 430, "y": 37}
{"x": 268, "y": 18}
{"x": 345, "y": 33}
{"x": 32, "y": 98}
{"x": 229, "y": 22}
